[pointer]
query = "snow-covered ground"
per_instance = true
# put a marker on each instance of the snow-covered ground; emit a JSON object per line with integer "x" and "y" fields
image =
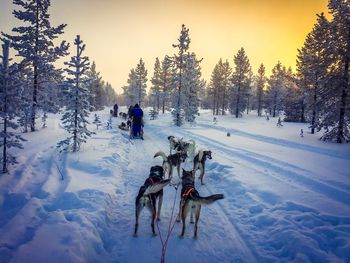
{"x": 287, "y": 198}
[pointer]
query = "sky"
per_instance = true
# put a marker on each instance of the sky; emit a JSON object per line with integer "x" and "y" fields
{"x": 117, "y": 33}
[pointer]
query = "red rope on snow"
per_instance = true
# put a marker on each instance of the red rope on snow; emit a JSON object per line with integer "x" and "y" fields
{"x": 170, "y": 229}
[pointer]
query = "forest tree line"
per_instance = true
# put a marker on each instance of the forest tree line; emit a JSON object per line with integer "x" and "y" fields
{"x": 317, "y": 93}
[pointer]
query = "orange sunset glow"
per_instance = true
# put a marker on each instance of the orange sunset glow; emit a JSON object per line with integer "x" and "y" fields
{"x": 118, "y": 33}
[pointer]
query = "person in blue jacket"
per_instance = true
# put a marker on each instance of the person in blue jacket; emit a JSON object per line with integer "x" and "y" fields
{"x": 137, "y": 115}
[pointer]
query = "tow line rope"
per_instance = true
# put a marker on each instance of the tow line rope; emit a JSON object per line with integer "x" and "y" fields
{"x": 170, "y": 229}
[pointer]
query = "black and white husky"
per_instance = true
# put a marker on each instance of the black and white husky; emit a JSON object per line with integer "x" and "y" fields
{"x": 199, "y": 162}
{"x": 191, "y": 200}
{"x": 149, "y": 194}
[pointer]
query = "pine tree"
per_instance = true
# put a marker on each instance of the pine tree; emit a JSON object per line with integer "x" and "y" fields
{"x": 131, "y": 89}
{"x": 293, "y": 99}
{"x": 77, "y": 98}
{"x": 166, "y": 82}
{"x": 35, "y": 44}
{"x": 8, "y": 101}
{"x": 178, "y": 62}
{"x": 241, "y": 80}
{"x": 156, "y": 88}
{"x": 276, "y": 90}
{"x": 312, "y": 65}
{"x": 191, "y": 86}
{"x": 141, "y": 81}
{"x": 336, "y": 117}
{"x": 97, "y": 121}
{"x": 95, "y": 87}
{"x": 260, "y": 87}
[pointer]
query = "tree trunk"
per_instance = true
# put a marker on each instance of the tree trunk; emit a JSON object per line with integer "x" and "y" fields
{"x": 340, "y": 135}
{"x": 35, "y": 73}
{"x": 314, "y": 107}
{"x": 237, "y": 101}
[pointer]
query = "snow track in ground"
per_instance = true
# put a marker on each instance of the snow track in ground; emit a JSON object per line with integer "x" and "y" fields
{"x": 286, "y": 198}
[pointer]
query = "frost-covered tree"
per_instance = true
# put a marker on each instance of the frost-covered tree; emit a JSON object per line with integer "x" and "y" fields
{"x": 276, "y": 90}
{"x": 178, "y": 62}
{"x": 130, "y": 90}
{"x": 293, "y": 99}
{"x": 219, "y": 86}
{"x": 8, "y": 101}
{"x": 191, "y": 86}
{"x": 241, "y": 80}
{"x": 167, "y": 77}
{"x": 260, "y": 80}
{"x": 95, "y": 87}
{"x": 77, "y": 100}
{"x": 335, "y": 118}
{"x": 141, "y": 81}
{"x": 156, "y": 88}
{"x": 312, "y": 64}
{"x": 135, "y": 91}
{"x": 34, "y": 42}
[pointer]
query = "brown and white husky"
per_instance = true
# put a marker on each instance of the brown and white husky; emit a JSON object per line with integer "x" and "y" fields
{"x": 190, "y": 199}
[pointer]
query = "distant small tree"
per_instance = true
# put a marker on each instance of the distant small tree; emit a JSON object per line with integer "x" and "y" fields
{"x": 260, "y": 87}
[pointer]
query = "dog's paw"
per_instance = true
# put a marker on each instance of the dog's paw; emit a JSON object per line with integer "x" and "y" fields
{"x": 181, "y": 236}
{"x": 134, "y": 235}
{"x": 154, "y": 234}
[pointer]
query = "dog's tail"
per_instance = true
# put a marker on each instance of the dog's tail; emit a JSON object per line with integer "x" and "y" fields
{"x": 209, "y": 199}
{"x": 162, "y": 154}
{"x": 200, "y": 155}
{"x": 152, "y": 189}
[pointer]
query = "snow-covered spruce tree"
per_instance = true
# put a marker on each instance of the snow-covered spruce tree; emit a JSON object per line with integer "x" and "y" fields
{"x": 219, "y": 86}
{"x": 335, "y": 118}
{"x": 77, "y": 100}
{"x": 156, "y": 88}
{"x": 35, "y": 44}
{"x": 293, "y": 98}
{"x": 24, "y": 95}
{"x": 275, "y": 90}
{"x": 94, "y": 87}
{"x": 135, "y": 91}
{"x": 166, "y": 82}
{"x": 141, "y": 81}
{"x": 110, "y": 95}
{"x": 260, "y": 80}
{"x": 241, "y": 80}
{"x": 130, "y": 90}
{"x": 312, "y": 65}
{"x": 178, "y": 63}
{"x": 8, "y": 100}
{"x": 191, "y": 86}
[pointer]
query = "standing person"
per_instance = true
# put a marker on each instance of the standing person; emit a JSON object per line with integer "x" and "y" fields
{"x": 115, "y": 110}
{"x": 137, "y": 115}
{"x": 130, "y": 111}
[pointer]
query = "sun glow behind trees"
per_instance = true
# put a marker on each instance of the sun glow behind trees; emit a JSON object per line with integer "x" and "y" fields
{"x": 268, "y": 30}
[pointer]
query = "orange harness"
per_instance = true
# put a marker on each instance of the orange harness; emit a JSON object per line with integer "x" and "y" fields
{"x": 187, "y": 192}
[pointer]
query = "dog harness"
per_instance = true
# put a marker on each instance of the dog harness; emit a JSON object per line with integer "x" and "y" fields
{"x": 187, "y": 192}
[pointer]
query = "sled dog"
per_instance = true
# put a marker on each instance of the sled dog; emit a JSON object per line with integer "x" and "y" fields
{"x": 179, "y": 145}
{"x": 190, "y": 199}
{"x": 149, "y": 194}
{"x": 171, "y": 161}
{"x": 199, "y": 162}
